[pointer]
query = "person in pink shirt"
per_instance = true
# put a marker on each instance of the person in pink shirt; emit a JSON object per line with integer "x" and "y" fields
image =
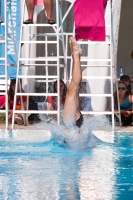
{"x": 89, "y": 19}
{"x": 48, "y": 4}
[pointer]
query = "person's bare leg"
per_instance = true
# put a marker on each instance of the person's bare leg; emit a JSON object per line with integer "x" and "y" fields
{"x": 71, "y": 106}
{"x": 48, "y": 4}
{"x": 30, "y": 8}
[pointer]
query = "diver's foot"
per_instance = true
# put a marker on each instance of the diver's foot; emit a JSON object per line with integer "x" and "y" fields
{"x": 75, "y": 49}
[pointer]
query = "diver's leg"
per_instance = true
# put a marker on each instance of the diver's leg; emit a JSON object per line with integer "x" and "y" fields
{"x": 71, "y": 106}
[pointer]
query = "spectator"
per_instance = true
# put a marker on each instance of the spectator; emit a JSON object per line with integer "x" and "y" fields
{"x": 52, "y": 100}
{"x": 84, "y": 102}
{"x": 126, "y": 79}
{"x": 2, "y": 102}
{"x": 126, "y": 101}
{"x": 11, "y": 93}
{"x": 48, "y": 4}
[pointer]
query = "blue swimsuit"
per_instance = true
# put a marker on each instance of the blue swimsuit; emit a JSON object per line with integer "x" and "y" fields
{"x": 127, "y": 105}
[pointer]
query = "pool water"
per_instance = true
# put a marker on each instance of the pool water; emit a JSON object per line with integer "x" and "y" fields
{"x": 33, "y": 166}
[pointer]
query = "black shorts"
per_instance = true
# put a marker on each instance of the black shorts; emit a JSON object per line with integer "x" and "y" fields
{"x": 126, "y": 120}
{"x": 79, "y": 122}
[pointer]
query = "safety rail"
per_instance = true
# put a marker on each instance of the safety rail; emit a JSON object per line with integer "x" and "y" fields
{"x": 31, "y": 35}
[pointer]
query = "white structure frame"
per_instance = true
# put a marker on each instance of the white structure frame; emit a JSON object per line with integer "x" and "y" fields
{"x": 31, "y": 62}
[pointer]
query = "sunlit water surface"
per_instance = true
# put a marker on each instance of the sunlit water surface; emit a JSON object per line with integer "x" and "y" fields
{"x": 35, "y": 166}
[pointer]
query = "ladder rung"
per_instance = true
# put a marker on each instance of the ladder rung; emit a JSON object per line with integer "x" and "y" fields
{"x": 95, "y": 95}
{"x": 96, "y": 77}
{"x": 39, "y": 59}
{"x": 34, "y": 76}
{"x": 97, "y": 112}
{"x": 44, "y": 81}
{"x": 95, "y": 60}
{"x": 37, "y": 94}
{"x": 2, "y": 59}
{"x": 36, "y": 25}
{"x": 92, "y": 42}
{"x": 56, "y": 112}
{"x": 3, "y": 111}
{"x": 34, "y": 64}
{"x": 3, "y": 93}
{"x": 2, "y": 41}
{"x": 39, "y": 42}
{"x": 37, "y": 111}
{"x": 90, "y": 60}
{"x": 55, "y": 94}
{"x": 44, "y": 34}
{"x": 95, "y": 65}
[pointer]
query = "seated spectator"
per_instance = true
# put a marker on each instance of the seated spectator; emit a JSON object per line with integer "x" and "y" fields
{"x": 126, "y": 101}
{"x": 48, "y": 4}
{"x": 2, "y": 102}
{"x": 53, "y": 100}
{"x": 84, "y": 102}
{"x": 33, "y": 118}
{"x": 11, "y": 93}
{"x": 126, "y": 79}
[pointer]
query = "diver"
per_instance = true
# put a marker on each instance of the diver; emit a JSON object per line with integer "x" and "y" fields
{"x": 72, "y": 114}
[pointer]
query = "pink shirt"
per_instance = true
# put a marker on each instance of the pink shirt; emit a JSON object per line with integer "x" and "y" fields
{"x": 2, "y": 101}
{"x": 89, "y": 19}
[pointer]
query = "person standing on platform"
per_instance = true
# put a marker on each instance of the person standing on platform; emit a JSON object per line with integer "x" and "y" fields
{"x": 48, "y": 4}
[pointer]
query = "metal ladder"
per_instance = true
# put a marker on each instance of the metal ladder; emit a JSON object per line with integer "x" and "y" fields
{"x": 3, "y": 63}
{"x": 100, "y": 63}
{"x": 30, "y": 63}
{"x": 104, "y": 63}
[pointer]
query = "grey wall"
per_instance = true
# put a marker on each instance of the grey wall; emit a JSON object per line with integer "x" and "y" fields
{"x": 125, "y": 40}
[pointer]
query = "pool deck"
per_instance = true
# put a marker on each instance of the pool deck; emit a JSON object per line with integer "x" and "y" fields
{"x": 22, "y": 127}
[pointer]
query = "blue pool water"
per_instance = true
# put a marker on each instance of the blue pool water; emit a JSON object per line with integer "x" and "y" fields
{"x": 34, "y": 167}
